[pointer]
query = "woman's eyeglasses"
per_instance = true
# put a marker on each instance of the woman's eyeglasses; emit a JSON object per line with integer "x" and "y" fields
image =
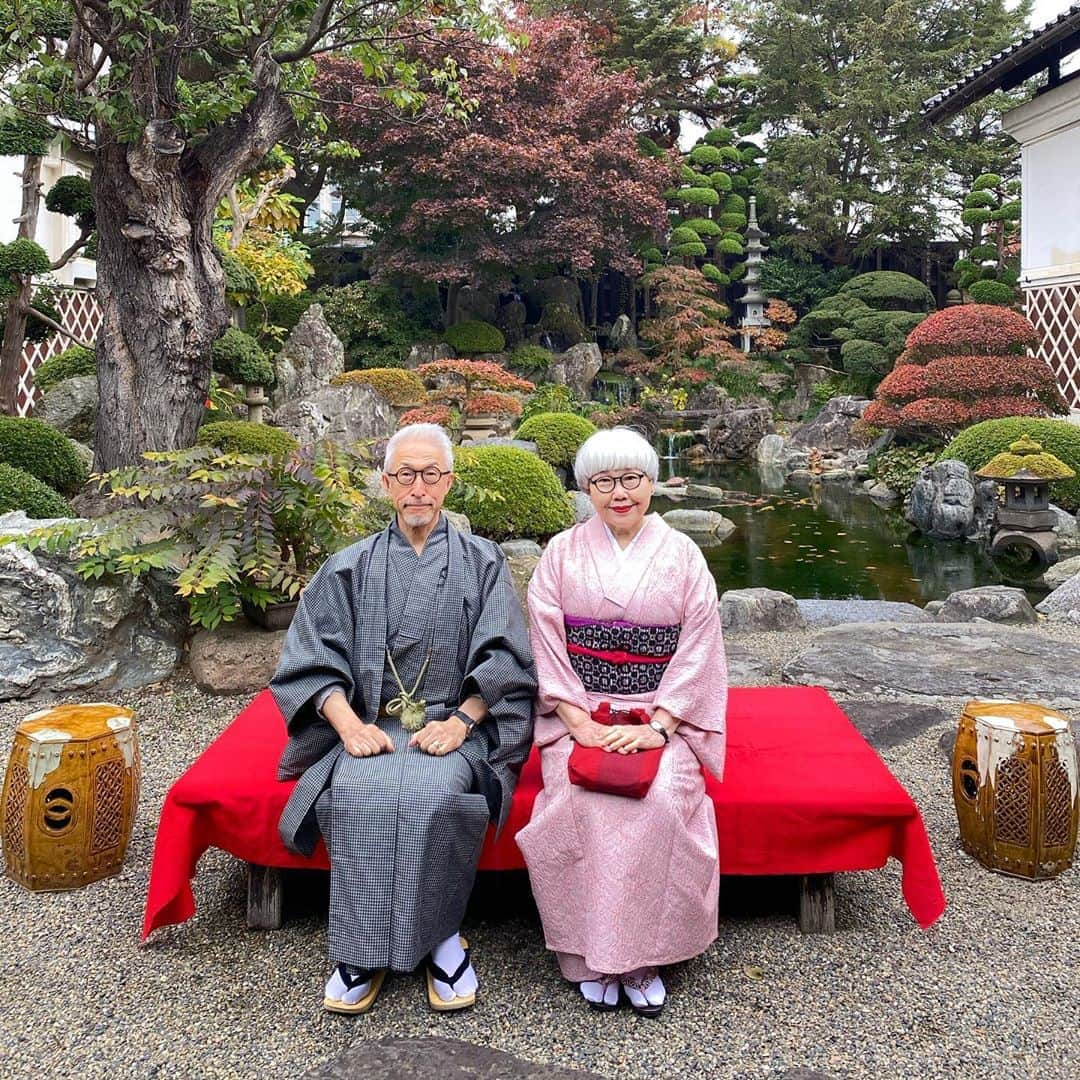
{"x": 431, "y": 476}
{"x": 606, "y": 484}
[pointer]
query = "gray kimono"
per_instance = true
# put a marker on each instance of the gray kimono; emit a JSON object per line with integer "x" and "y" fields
{"x": 404, "y": 830}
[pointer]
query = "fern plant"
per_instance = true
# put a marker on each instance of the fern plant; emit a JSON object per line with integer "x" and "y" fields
{"x": 229, "y": 528}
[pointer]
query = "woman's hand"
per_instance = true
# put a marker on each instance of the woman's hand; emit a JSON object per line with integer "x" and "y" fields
{"x": 440, "y": 737}
{"x": 590, "y": 733}
{"x": 630, "y": 738}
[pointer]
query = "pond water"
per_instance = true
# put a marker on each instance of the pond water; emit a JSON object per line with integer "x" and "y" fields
{"x": 825, "y": 541}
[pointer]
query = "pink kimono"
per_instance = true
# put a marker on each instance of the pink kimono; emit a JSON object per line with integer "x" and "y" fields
{"x": 625, "y": 883}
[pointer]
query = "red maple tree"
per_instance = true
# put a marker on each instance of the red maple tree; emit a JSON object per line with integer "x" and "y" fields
{"x": 545, "y": 170}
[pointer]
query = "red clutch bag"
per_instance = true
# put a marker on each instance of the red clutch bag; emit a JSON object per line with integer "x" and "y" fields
{"x": 612, "y": 773}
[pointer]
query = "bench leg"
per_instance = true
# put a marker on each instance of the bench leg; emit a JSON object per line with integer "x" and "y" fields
{"x": 817, "y": 904}
{"x": 264, "y": 897}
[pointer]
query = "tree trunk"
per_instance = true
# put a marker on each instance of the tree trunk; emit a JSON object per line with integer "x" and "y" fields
{"x": 162, "y": 295}
{"x": 15, "y": 314}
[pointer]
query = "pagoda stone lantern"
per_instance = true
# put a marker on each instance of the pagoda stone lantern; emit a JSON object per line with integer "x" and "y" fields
{"x": 1026, "y": 520}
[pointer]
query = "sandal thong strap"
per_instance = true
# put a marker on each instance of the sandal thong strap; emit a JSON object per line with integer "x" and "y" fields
{"x": 639, "y": 982}
{"x": 362, "y": 976}
{"x": 438, "y": 973}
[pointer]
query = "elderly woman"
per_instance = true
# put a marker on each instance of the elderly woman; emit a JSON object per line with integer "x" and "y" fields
{"x": 623, "y": 610}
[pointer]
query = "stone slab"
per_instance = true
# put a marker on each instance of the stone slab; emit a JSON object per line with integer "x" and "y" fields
{"x": 941, "y": 660}
{"x": 425, "y": 1057}
{"x": 745, "y": 668}
{"x": 837, "y": 612}
{"x": 891, "y": 723}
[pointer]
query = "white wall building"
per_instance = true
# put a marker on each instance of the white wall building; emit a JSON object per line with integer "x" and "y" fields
{"x": 55, "y": 232}
{"x": 1048, "y": 131}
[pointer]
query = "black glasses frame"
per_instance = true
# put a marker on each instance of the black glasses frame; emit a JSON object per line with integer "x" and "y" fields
{"x": 606, "y": 484}
{"x": 430, "y": 476}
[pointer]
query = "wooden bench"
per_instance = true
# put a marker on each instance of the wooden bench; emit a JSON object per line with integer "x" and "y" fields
{"x": 803, "y": 795}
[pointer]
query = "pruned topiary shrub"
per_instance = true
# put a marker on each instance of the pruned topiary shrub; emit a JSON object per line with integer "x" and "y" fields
{"x": 244, "y": 437}
{"x": 976, "y": 445}
{"x": 558, "y": 436}
{"x": 474, "y": 336}
{"x": 73, "y": 361}
{"x": 889, "y": 290}
{"x": 239, "y": 356}
{"x": 21, "y": 491}
{"x": 963, "y": 365}
{"x": 532, "y": 505}
{"x": 43, "y": 452}
{"x": 398, "y": 385}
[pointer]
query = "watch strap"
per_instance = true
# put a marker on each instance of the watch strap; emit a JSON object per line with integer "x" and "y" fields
{"x": 466, "y": 719}
{"x": 657, "y": 726}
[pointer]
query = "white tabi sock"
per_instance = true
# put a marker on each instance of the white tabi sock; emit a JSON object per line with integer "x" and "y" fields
{"x": 337, "y": 989}
{"x": 448, "y": 956}
{"x": 606, "y": 991}
{"x": 644, "y": 987}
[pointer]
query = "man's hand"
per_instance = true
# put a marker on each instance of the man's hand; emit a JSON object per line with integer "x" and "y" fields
{"x": 365, "y": 740}
{"x": 440, "y": 737}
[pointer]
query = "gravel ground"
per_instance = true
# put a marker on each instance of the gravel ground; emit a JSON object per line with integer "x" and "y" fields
{"x": 992, "y": 990}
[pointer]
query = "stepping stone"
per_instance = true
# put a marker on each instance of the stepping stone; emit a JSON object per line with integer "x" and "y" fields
{"x": 891, "y": 723}
{"x": 425, "y": 1057}
{"x": 941, "y": 660}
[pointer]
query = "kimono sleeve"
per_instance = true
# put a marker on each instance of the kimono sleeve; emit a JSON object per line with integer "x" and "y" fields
{"x": 694, "y": 686}
{"x": 318, "y": 647}
{"x": 557, "y": 679}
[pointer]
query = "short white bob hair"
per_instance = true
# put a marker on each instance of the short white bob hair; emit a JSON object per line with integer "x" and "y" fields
{"x": 618, "y": 448}
{"x": 429, "y": 433}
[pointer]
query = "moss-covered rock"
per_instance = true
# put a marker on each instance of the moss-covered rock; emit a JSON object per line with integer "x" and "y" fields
{"x": 533, "y": 503}
{"x": 21, "y": 491}
{"x": 398, "y": 385}
{"x": 558, "y": 435}
{"x": 43, "y": 452}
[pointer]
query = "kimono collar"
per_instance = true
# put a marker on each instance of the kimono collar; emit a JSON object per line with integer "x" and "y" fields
{"x": 619, "y": 579}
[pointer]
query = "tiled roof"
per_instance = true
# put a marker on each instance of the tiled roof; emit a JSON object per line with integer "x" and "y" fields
{"x": 1009, "y": 67}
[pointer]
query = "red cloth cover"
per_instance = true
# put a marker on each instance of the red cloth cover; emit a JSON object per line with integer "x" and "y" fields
{"x": 606, "y": 771}
{"x": 803, "y": 793}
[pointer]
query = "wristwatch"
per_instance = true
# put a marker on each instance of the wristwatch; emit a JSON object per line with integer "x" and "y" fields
{"x": 466, "y": 719}
{"x": 657, "y": 726}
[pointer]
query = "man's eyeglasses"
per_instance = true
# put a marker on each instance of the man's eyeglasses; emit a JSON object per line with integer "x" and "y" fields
{"x": 606, "y": 484}
{"x": 406, "y": 477}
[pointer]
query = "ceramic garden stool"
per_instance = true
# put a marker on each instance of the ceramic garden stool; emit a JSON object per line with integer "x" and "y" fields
{"x": 70, "y": 795}
{"x": 1015, "y": 787}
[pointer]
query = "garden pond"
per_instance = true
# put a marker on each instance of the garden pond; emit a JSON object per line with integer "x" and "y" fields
{"x": 825, "y": 541}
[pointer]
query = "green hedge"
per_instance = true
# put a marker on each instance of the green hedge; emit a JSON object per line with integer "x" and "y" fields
{"x": 976, "y": 445}
{"x": 74, "y": 360}
{"x": 558, "y": 436}
{"x": 533, "y": 505}
{"x": 474, "y": 336}
{"x": 244, "y": 437}
{"x": 21, "y": 491}
{"x": 43, "y": 452}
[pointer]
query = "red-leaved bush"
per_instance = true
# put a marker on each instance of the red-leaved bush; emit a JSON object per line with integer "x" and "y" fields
{"x": 426, "y": 414}
{"x": 961, "y": 365}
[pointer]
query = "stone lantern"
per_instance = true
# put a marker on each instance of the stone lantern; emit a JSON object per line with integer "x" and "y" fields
{"x": 1026, "y": 520}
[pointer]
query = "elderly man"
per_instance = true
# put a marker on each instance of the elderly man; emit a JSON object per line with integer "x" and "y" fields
{"x": 407, "y": 684}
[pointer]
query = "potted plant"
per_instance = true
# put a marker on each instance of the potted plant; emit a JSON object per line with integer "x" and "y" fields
{"x": 479, "y": 390}
{"x": 235, "y": 531}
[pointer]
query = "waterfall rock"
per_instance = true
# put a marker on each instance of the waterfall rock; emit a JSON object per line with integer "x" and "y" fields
{"x": 576, "y": 368}
{"x": 622, "y": 336}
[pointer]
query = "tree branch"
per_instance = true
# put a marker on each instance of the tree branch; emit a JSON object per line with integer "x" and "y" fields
{"x": 57, "y": 327}
{"x": 64, "y": 259}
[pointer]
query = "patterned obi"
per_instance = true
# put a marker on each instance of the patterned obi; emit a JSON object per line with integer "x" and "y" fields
{"x": 619, "y": 658}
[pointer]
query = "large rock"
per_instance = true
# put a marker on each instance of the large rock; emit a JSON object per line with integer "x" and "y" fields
{"x": 735, "y": 431}
{"x": 583, "y": 507}
{"x": 807, "y": 376}
{"x": 426, "y": 352}
{"x": 831, "y": 428}
{"x": 576, "y": 368}
{"x": 235, "y": 658}
{"x": 460, "y": 522}
{"x": 59, "y": 633}
{"x": 759, "y": 609}
{"x": 311, "y": 356}
{"x": 770, "y": 450}
{"x": 948, "y": 503}
{"x": 700, "y": 523}
{"x": 995, "y": 603}
{"x": 1067, "y": 528}
{"x": 344, "y": 414}
{"x": 512, "y": 548}
{"x": 71, "y": 406}
{"x": 522, "y": 567}
{"x": 1061, "y": 571}
{"x": 941, "y": 660}
{"x": 1063, "y": 603}
{"x": 622, "y": 336}
{"x": 511, "y": 321}
{"x": 838, "y": 612}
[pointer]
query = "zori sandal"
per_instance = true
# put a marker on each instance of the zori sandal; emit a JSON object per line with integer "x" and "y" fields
{"x": 345, "y": 992}
{"x": 644, "y": 989}
{"x": 434, "y": 972}
{"x": 602, "y": 994}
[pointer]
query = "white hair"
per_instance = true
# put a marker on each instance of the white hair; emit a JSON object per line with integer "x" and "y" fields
{"x": 618, "y": 448}
{"x": 429, "y": 433}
